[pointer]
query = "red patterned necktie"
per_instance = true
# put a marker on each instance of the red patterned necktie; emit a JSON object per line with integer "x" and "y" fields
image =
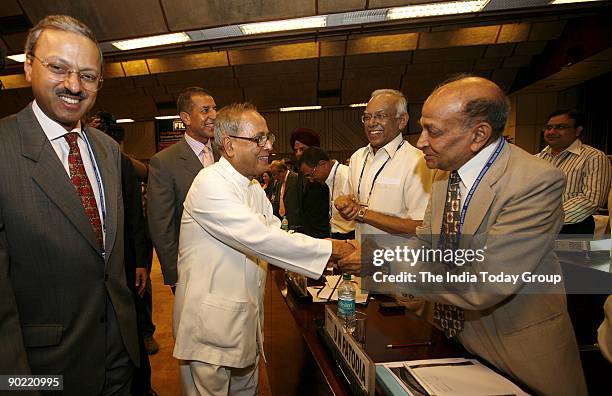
{"x": 79, "y": 178}
{"x": 449, "y": 317}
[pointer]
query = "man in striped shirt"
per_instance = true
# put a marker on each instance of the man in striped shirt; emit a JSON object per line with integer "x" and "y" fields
{"x": 587, "y": 170}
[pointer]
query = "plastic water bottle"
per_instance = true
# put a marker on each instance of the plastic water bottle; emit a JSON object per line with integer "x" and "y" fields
{"x": 285, "y": 224}
{"x": 346, "y": 303}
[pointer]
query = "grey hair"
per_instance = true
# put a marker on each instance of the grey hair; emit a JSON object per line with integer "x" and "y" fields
{"x": 229, "y": 120}
{"x": 401, "y": 104}
{"x": 64, "y": 23}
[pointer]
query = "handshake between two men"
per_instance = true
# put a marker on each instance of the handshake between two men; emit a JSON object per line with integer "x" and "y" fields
{"x": 346, "y": 255}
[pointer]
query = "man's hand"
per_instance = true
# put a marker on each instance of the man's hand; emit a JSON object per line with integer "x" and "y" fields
{"x": 141, "y": 281}
{"x": 351, "y": 263}
{"x": 348, "y": 206}
{"x": 340, "y": 249}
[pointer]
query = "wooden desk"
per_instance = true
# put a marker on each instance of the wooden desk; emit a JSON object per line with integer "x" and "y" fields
{"x": 298, "y": 363}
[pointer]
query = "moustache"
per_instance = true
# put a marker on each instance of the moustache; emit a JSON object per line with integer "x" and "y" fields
{"x": 65, "y": 91}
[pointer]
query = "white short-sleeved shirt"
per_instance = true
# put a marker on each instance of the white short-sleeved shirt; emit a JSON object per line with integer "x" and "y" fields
{"x": 395, "y": 181}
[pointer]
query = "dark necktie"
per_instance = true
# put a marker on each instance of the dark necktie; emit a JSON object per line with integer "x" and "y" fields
{"x": 79, "y": 178}
{"x": 449, "y": 317}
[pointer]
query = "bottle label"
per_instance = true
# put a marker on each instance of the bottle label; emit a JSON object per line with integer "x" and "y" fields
{"x": 346, "y": 306}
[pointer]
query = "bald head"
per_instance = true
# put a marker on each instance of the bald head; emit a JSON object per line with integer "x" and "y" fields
{"x": 459, "y": 119}
{"x": 477, "y": 100}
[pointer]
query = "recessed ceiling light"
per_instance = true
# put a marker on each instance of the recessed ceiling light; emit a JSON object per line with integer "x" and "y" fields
{"x": 173, "y": 117}
{"x": 124, "y": 120}
{"x": 18, "y": 58}
{"x": 151, "y": 41}
{"x": 434, "y": 9}
{"x": 570, "y": 1}
{"x": 285, "y": 24}
{"x": 358, "y": 105}
{"x": 300, "y": 108}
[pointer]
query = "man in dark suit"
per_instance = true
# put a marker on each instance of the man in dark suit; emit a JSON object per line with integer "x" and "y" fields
{"x": 171, "y": 172}
{"x": 315, "y": 196}
{"x": 64, "y": 302}
{"x": 288, "y": 189}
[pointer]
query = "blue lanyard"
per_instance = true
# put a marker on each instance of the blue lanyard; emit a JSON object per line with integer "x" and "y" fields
{"x": 98, "y": 181}
{"x": 484, "y": 170}
{"x": 365, "y": 160}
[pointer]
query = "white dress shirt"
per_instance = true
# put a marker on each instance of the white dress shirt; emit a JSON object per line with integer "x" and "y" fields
{"x": 470, "y": 170}
{"x": 202, "y": 150}
{"x": 402, "y": 188}
{"x": 55, "y": 133}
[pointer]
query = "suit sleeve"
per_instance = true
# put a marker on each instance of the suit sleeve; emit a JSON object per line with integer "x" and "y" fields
{"x": 161, "y": 201}
{"x": 13, "y": 358}
{"x": 220, "y": 210}
{"x": 518, "y": 241}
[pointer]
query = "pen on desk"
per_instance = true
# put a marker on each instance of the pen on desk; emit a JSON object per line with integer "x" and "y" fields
{"x": 411, "y": 345}
{"x": 334, "y": 289}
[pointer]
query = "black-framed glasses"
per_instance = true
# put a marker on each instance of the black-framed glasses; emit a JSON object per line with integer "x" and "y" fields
{"x": 261, "y": 140}
{"x": 378, "y": 117}
{"x": 556, "y": 127}
{"x": 59, "y": 72}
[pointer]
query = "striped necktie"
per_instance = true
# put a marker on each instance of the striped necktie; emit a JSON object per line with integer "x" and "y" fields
{"x": 449, "y": 317}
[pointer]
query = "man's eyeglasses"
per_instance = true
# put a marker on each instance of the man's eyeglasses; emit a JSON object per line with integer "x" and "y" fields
{"x": 91, "y": 81}
{"x": 311, "y": 174}
{"x": 556, "y": 127}
{"x": 261, "y": 140}
{"x": 378, "y": 117}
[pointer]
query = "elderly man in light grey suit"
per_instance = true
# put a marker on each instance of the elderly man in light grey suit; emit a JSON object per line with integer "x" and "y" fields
{"x": 510, "y": 202}
{"x": 229, "y": 234}
{"x": 65, "y": 307}
{"x": 171, "y": 172}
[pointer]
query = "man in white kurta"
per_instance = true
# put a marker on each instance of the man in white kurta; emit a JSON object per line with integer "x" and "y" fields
{"x": 228, "y": 235}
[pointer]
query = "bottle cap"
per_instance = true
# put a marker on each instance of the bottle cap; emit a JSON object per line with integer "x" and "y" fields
{"x": 346, "y": 276}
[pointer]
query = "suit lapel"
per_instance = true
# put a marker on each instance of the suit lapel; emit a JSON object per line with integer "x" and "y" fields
{"x": 485, "y": 194}
{"x": 109, "y": 174}
{"x": 50, "y": 175}
{"x": 190, "y": 160}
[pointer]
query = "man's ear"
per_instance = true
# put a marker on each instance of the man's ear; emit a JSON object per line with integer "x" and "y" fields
{"x": 27, "y": 69}
{"x": 403, "y": 120}
{"x": 579, "y": 131}
{"x": 186, "y": 118}
{"x": 228, "y": 146}
{"x": 481, "y": 135}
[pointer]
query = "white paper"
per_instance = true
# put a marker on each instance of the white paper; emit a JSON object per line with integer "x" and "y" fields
{"x": 330, "y": 282}
{"x": 460, "y": 377}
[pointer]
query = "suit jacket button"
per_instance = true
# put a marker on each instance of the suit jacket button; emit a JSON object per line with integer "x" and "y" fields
{"x": 102, "y": 319}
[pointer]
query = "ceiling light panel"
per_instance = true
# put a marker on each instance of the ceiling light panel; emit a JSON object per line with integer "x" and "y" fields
{"x": 436, "y": 9}
{"x": 152, "y": 41}
{"x": 571, "y": 1}
{"x": 283, "y": 25}
{"x": 300, "y": 108}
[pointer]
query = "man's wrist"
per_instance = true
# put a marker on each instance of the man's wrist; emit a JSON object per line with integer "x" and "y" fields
{"x": 361, "y": 213}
